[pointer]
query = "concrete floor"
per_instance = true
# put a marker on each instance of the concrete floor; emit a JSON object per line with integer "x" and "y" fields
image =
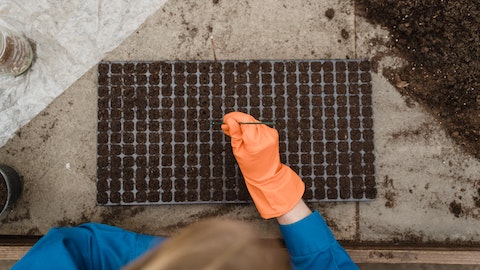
{"x": 420, "y": 172}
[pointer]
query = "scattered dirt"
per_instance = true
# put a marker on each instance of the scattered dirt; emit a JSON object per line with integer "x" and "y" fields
{"x": 33, "y": 232}
{"x": 217, "y": 211}
{"x": 380, "y": 254}
{"x": 330, "y": 13}
{"x": 18, "y": 216}
{"x": 390, "y": 197}
{"x": 345, "y": 34}
{"x": 424, "y": 131}
{"x": 456, "y": 209}
{"x": 390, "y": 192}
{"x": 409, "y": 237}
{"x": 68, "y": 222}
{"x": 441, "y": 42}
{"x": 477, "y": 199}
{"x": 116, "y": 215}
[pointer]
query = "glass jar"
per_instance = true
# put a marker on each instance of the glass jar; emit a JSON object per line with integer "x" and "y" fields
{"x": 11, "y": 185}
{"x": 16, "y": 54}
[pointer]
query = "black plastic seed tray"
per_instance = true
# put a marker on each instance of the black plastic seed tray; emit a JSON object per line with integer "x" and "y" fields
{"x": 156, "y": 143}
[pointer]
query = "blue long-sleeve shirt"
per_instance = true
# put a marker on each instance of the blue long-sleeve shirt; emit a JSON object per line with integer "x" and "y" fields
{"x": 95, "y": 246}
{"x": 311, "y": 245}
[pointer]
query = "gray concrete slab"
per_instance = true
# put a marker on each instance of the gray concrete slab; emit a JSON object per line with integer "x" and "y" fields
{"x": 421, "y": 173}
{"x": 56, "y": 151}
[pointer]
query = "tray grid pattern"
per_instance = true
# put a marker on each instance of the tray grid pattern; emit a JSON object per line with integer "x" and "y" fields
{"x": 156, "y": 144}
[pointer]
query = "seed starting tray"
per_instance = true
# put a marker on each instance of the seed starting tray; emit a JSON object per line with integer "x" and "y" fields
{"x": 157, "y": 144}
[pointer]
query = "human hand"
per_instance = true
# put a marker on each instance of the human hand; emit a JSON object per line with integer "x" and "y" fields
{"x": 255, "y": 146}
{"x": 274, "y": 187}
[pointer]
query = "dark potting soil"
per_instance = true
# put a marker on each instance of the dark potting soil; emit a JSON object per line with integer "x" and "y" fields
{"x": 3, "y": 193}
{"x": 441, "y": 42}
{"x": 156, "y": 143}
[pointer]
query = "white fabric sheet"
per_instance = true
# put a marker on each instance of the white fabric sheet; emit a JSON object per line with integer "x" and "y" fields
{"x": 70, "y": 37}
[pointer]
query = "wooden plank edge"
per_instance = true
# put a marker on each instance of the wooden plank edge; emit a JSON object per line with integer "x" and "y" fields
{"x": 13, "y": 252}
{"x": 417, "y": 256}
{"x": 358, "y": 255}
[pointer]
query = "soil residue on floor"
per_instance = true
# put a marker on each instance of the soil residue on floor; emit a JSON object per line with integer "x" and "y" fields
{"x": 456, "y": 208}
{"x": 441, "y": 42}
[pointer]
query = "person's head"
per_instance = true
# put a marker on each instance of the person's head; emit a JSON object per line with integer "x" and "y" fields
{"x": 215, "y": 244}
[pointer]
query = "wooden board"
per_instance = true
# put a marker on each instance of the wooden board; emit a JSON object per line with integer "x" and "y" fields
{"x": 358, "y": 254}
{"x": 418, "y": 256}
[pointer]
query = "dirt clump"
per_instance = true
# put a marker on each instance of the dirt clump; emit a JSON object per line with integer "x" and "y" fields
{"x": 330, "y": 13}
{"x": 456, "y": 208}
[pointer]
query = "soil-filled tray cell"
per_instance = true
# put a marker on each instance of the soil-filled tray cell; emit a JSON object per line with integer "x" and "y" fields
{"x": 159, "y": 140}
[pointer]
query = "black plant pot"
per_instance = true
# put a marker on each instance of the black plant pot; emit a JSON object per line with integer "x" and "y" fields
{"x": 10, "y": 187}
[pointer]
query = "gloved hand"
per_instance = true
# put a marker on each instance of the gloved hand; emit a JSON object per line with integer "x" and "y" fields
{"x": 274, "y": 187}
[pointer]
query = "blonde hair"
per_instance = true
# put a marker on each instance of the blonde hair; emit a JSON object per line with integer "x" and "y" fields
{"x": 215, "y": 244}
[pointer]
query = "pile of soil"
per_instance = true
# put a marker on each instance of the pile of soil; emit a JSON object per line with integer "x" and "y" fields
{"x": 441, "y": 42}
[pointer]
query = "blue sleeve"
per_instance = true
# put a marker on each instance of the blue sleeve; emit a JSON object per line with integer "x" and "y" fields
{"x": 88, "y": 246}
{"x": 312, "y": 245}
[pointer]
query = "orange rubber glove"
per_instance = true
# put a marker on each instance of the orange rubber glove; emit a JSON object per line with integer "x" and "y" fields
{"x": 274, "y": 187}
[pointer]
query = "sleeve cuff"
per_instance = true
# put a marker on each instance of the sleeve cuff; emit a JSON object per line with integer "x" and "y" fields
{"x": 307, "y": 236}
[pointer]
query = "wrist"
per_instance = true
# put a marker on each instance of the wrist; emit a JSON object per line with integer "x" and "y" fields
{"x": 299, "y": 212}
